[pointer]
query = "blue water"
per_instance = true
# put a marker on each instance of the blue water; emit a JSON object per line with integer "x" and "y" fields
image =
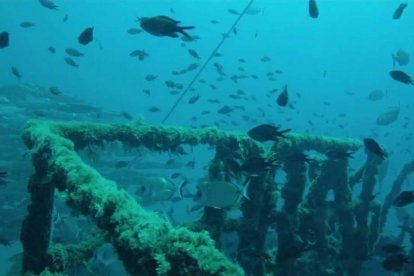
{"x": 330, "y": 64}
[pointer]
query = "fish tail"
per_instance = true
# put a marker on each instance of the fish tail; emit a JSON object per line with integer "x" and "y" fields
{"x": 181, "y": 188}
{"x": 245, "y": 190}
{"x": 187, "y": 28}
{"x": 184, "y": 33}
{"x": 283, "y": 132}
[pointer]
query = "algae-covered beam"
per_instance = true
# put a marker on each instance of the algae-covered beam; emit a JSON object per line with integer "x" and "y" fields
{"x": 146, "y": 243}
{"x": 396, "y": 188}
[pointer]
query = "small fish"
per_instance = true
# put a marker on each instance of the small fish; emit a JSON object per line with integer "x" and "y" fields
{"x": 4, "y": 40}
{"x": 283, "y": 98}
{"x": 190, "y": 164}
{"x": 376, "y": 95}
{"x": 220, "y": 194}
{"x": 392, "y": 248}
{"x": 122, "y": 164}
{"x": 372, "y": 146}
{"x": 69, "y": 61}
{"x": 86, "y": 36}
{"x": 389, "y": 116}
{"x": 175, "y": 175}
{"x": 403, "y": 199}
{"x": 255, "y": 165}
{"x": 399, "y": 11}
{"x": 395, "y": 262}
{"x": 194, "y": 99}
{"x": 51, "y": 49}
{"x": 265, "y": 59}
{"x": 134, "y": 31}
{"x": 27, "y": 24}
{"x": 127, "y": 116}
{"x": 340, "y": 154}
{"x": 193, "y": 53}
{"x": 54, "y": 90}
{"x": 73, "y": 52}
{"x": 225, "y": 110}
{"x": 313, "y": 9}
{"x": 401, "y": 77}
{"x": 65, "y": 18}
{"x": 141, "y": 54}
{"x": 154, "y": 109}
{"x": 401, "y": 57}
{"x": 232, "y": 11}
{"x": 150, "y": 77}
{"x": 16, "y": 72}
{"x": 266, "y": 132}
{"x": 48, "y": 4}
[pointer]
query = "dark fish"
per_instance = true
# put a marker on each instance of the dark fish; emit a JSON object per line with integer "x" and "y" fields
{"x": 69, "y": 61}
{"x": 141, "y": 54}
{"x": 392, "y": 248}
{"x": 339, "y": 154}
{"x": 232, "y": 11}
{"x": 26, "y": 24}
{"x": 127, "y": 116}
{"x": 372, "y": 146}
{"x": 256, "y": 165}
{"x": 151, "y": 77}
{"x": 266, "y": 132}
{"x": 163, "y": 26}
{"x": 4, "y": 40}
{"x": 54, "y": 90}
{"x": 134, "y": 31}
{"x": 313, "y": 9}
{"x": 283, "y": 98}
{"x": 16, "y": 72}
{"x": 73, "y": 52}
{"x": 190, "y": 164}
{"x": 3, "y": 175}
{"x": 175, "y": 175}
{"x": 399, "y": 11}
{"x": 48, "y": 4}
{"x": 401, "y": 77}
{"x": 52, "y": 49}
{"x": 154, "y": 109}
{"x": 194, "y": 99}
{"x": 395, "y": 262}
{"x": 193, "y": 53}
{"x": 225, "y": 110}
{"x": 65, "y": 18}
{"x": 86, "y": 36}
{"x": 403, "y": 199}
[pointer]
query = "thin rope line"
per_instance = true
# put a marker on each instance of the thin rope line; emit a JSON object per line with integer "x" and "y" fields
{"x": 206, "y": 63}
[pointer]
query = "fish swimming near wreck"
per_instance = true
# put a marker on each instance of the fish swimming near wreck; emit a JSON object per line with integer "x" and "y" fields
{"x": 153, "y": 189}
{"x": 163, "y": 26}
{"x": 401, "y": 76}
{"x": 220, "y": 194}
{"x": 389, "y": 116}
{"x": 403, "y": 199}
{"x": 267, "y": 132}
{"x": 283, "y": 98}
{"x": 372, "y": 146}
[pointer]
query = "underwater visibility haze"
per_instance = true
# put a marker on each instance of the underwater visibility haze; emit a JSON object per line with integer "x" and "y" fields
{"x": 206, "y": 137}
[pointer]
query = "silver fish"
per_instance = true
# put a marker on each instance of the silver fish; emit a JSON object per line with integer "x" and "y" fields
{"x": 73, "y": 52}
{"x": 401, "y": 58}
{"x": 153, "y": 189}
{"x": 220, "y": 194}
{"x": 389, "y": 116}
{"x": 376, "y": 95}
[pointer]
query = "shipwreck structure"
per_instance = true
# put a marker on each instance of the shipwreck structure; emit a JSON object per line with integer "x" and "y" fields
{"x": 307, "y": 224}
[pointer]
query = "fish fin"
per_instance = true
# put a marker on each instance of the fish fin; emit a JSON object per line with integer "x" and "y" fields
{"x": 281, "y": 133}
{"x": 181, "y": 188}
{"x": 196, "y": 208}
{"x": 245, "y": 190}
{"x": 184, "y": 33}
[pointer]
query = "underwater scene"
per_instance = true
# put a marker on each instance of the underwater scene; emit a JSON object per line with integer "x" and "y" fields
{"x": 206, "y": 137}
